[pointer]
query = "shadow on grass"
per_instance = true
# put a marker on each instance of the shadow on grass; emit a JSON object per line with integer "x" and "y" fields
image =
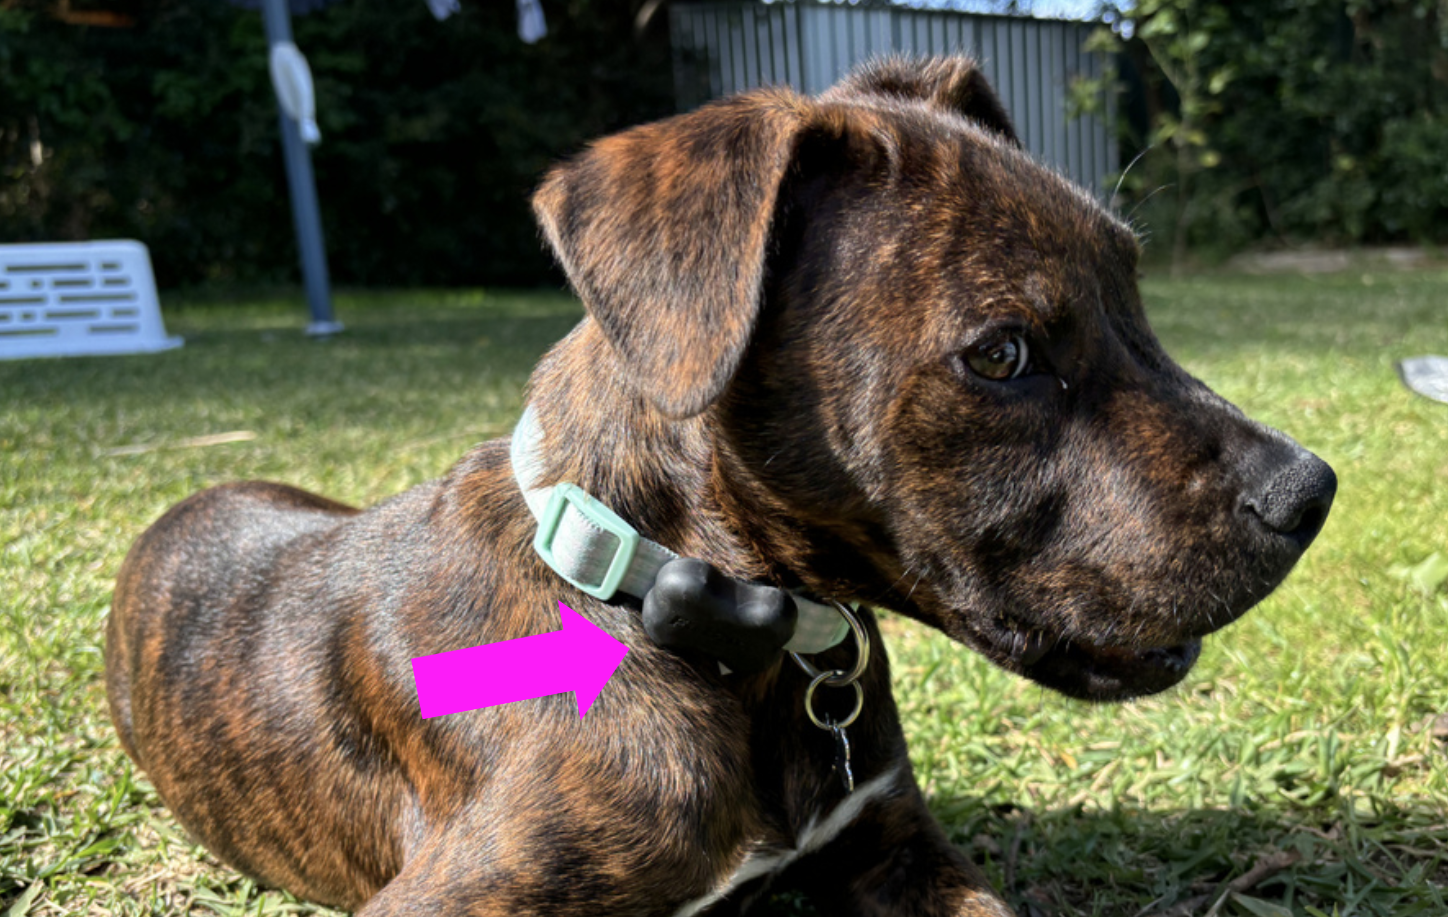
{"x": 1174, "y": 863}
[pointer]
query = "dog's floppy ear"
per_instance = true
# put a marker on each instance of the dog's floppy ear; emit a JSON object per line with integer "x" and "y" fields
{"x": 951, "y": 83}
{"x": 663, "y": 232}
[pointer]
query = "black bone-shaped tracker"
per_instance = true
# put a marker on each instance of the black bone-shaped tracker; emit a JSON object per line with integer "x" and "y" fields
{"x": 692, "y": 606}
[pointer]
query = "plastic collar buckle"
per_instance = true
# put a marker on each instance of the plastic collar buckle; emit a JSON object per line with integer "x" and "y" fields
{"x": 566, "y": 495}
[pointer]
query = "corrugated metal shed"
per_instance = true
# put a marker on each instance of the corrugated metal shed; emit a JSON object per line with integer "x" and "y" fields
{"x": 726, "y": 47}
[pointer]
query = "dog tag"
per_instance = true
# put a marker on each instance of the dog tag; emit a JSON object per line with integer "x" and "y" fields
{"x": 693, "y": 606}
{"x": 842, "y": 756}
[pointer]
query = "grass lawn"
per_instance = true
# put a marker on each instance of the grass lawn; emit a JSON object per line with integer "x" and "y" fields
{"x": 1296, "y": 771}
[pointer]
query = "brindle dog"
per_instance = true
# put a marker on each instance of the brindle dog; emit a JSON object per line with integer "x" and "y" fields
{"x": 858, "y": 345}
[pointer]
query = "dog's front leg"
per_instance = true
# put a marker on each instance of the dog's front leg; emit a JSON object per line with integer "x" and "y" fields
{"x": 895, "y": 861}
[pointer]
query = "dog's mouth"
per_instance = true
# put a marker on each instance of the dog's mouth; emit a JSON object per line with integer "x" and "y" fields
{"x": 1081, "y": 668}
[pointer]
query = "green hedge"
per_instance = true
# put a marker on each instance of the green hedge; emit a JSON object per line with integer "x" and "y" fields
{"x": 1290, "y": 120}
{"x": 433, "y": 133}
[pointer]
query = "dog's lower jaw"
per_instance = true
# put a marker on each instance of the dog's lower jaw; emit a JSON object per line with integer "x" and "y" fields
{"x": 1074, "y": 665}
{"x": 1106, "y": 673}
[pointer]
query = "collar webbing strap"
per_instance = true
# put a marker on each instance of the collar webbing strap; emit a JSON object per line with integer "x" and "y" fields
{"x": 588, "y": 545}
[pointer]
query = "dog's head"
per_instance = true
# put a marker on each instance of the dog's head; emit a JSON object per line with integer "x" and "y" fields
{"x": 926, "y": 356}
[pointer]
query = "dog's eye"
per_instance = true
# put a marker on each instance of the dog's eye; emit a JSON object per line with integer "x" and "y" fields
{"x": 1000, "y": 358}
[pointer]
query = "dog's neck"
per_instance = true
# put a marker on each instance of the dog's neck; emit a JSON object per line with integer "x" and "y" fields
{"x": 656, "y": 473}
{"x": 677, "y": 482}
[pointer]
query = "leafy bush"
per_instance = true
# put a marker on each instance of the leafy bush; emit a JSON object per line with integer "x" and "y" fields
{"x": 1292, "y": 120}
{"x": 433, "y": 133}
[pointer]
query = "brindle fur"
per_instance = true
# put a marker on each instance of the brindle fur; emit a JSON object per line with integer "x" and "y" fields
{"x": 779, "y": 291}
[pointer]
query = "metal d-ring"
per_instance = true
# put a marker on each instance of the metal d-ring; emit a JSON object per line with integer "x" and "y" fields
{"x": 838, "y": 678}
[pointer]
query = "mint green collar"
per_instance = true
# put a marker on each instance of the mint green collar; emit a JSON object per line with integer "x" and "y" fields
{"x": 598, "y": 552}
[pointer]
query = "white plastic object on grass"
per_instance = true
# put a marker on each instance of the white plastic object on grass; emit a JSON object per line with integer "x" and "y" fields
{"x": 1428, "y": 376}
{"x": 72, "y": 299}
{"x": 292, "y": 80}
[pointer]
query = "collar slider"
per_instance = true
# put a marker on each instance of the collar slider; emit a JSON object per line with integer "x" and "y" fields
{"x": 600, "y": 518}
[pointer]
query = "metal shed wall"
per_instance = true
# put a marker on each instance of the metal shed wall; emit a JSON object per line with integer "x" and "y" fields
{"x": 721, "y": 48}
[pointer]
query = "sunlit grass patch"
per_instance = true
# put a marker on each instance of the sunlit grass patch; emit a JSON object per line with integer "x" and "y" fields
{"x": 1302, "y": 760}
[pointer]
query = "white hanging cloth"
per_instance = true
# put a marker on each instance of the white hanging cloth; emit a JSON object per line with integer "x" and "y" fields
{"x": 531, "y": 26}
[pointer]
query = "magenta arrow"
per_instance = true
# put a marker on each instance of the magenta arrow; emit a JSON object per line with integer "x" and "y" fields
{"x": 580, "y": 658}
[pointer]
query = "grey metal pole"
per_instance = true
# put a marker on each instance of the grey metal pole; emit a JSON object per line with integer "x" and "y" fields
{"x": 303, "y": 193}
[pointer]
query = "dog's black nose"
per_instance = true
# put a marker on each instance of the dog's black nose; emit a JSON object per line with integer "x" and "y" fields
{"x": 1293, "y": 497}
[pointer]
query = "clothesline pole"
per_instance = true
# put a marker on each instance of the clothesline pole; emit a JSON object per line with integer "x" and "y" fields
{"x": 303, "y": 186}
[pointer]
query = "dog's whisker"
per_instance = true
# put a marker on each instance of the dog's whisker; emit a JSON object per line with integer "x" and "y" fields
{"x": 915, "y": 585}
{"x": 1127, "y": 171}
{"x": 1142, "y": 202}
{"x": 910, "y": 568}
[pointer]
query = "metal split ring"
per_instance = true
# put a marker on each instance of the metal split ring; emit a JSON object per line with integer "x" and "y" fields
{"x": 823, "y": 678}
{"x": 838, "y": 678}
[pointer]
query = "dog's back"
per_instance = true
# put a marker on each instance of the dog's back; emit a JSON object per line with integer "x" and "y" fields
{"x": 202, "y": 557}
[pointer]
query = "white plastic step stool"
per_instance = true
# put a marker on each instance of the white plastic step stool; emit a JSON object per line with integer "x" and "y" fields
{"x": 71, "y": 299}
